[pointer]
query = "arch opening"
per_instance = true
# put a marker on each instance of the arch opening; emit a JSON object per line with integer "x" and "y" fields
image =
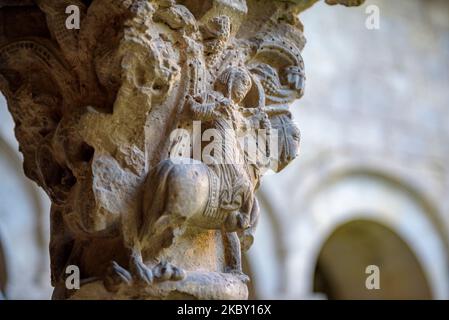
{"x": 340, "y": 270}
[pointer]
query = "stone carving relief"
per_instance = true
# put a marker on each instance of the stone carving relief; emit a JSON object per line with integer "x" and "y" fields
{"x": 136, "y": 126}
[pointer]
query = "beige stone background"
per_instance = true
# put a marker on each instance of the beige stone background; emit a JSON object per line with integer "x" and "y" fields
{"x": 370, "y": 186}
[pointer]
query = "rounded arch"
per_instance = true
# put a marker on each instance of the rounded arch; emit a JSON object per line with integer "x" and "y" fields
{"x": 378, "y": 171}
{"x": 361, "y": 251}
{"x": 367, "y": 194}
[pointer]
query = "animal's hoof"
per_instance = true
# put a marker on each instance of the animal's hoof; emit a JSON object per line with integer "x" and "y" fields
{"x": 116, "y": 275}
{"x": 123, "y": 274}
{"x": 141, "y": 273}
{"x": 165, "y": 271}
{"x": 178, "y": 274}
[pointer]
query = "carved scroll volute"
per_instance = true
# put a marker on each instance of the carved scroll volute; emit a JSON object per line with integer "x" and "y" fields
{"x": 102, "y": 114}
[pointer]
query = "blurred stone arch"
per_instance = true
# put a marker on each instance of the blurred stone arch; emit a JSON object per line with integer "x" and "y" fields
{"x": 352, "y": 192}
{"x": 341, "y": 267}
{"x": 23, "y": 223}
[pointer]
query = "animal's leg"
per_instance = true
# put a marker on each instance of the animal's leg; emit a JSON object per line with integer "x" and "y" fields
{"x": 161, "y": 238}
{"x": 115, "y": 275}
{"x": 247, "y": 236}
{"x": 233, "y": 254}
{"x": 140, "y": 272}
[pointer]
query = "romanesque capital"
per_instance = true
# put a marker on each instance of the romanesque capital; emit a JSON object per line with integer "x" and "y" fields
{"x": 149, "y": 125}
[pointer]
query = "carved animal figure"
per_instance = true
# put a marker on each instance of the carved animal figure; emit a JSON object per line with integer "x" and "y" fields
{"x": 220, "y": 192}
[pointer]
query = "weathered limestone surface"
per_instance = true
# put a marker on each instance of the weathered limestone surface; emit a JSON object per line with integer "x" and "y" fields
{"x": 102, "y": 115}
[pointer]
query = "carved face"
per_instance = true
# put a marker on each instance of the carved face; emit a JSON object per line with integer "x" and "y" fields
{"x": 241, "y": 86}
{"x": 295, "y": 78}
{"x": 234, "y": 83}
{"x": 289, "y": 138}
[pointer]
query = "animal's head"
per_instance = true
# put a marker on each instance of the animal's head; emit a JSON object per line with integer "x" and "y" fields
{"x": 288, "y": 140}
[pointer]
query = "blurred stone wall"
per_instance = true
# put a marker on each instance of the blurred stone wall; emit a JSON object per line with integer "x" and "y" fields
{"x": 375, "y": 147}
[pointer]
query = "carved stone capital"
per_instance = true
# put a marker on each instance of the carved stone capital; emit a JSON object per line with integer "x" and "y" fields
{"x": 115, "y": 120}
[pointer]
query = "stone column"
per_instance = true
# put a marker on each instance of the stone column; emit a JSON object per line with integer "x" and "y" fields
{"x": 116, "y": 121}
